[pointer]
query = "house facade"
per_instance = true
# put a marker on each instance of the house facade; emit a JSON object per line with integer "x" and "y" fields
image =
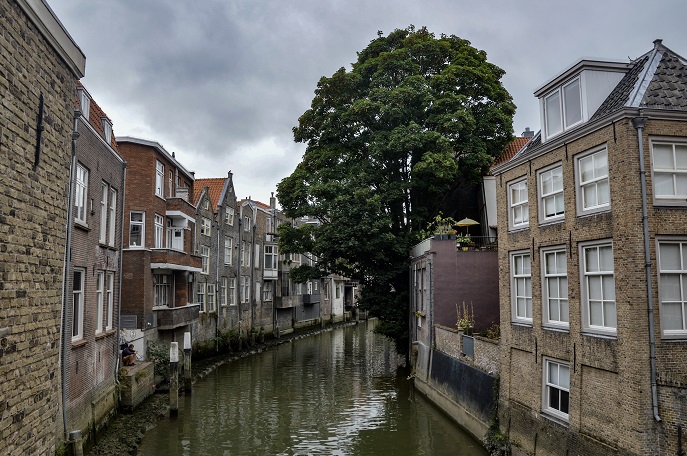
{"x": 592, "y": 226}
{"x": 91, "y": 360}
{"x": 41, "y": 65}
{"x": 160, "y": 256}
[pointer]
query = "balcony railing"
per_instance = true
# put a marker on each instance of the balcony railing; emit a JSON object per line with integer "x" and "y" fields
{"x": 476, "y": 243}
{"x": 175, "y": 317}
{"x": 311, "y": 298}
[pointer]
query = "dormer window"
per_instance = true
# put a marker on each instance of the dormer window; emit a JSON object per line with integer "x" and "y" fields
{"x": 107, "y": 129}
{"x": 84, "y": 101}
{"x": 563, "y": 108}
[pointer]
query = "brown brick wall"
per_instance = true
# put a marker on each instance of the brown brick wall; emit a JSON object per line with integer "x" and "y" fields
{"x": 33, "y": 212}
{"x": 610, "y": 397}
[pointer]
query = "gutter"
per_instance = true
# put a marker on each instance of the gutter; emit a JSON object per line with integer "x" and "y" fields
{"x": 638, "y": 123}
{"x": 121, "y": 259}
{"x": 67, "y": 282}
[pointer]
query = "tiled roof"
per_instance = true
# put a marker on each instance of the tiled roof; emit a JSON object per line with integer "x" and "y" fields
{"x": 668, "y": 87}
{"x": 511, "y": 149}
{"x": 257, "y": 203}
{"x": 215, "y": 186}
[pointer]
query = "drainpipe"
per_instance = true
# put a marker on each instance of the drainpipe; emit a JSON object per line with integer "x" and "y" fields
{"x": 431, "y": 303}
{"x": 251, "y": 298}
{"x": 217, "y": 303}
{"x": 638, "y": 123}
{"x": 67, "y": 281}
{"x": 238, "y": 270}
{"x": 121, "y": 254}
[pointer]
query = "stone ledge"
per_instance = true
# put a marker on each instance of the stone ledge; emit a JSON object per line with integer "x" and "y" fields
{"x": 135, "y": 384}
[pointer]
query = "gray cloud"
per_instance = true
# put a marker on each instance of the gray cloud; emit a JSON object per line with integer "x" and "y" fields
{"x": 222, "y": 82}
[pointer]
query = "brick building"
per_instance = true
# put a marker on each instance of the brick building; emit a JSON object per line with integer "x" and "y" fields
{"x": 592, "y": 227}
{"x": 39, "y": 66}
{"x": 159, "y": 256}
{"x": 91, "y": 359}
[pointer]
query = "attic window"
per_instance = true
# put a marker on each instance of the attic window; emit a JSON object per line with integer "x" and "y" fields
{"x": 107, "y": 129}
{"x": 563, "y": 108}
{"x": 84, "y": 101}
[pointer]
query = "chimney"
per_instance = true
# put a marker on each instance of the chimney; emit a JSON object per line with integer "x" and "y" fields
{"x": 527, "y": 133}
{"x": 230, "y": 175}
{"x": 273, "y": 201}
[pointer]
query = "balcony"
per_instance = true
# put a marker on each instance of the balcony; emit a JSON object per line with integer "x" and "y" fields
{"x": 311, "y": 298}
{"x": 286, "y": 302}
{"x": 175, "y": 260}
{"x": 270, "y": 274}
{"x": 175, "y": 317}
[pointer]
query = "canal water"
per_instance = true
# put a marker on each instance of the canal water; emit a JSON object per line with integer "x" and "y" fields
{"x": 340, "y": 392}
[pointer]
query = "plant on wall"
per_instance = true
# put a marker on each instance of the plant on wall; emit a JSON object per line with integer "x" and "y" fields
{"x": 466, "y": 318}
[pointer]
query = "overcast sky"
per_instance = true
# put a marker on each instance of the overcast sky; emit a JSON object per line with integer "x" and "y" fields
{"x": 223, "y": 82}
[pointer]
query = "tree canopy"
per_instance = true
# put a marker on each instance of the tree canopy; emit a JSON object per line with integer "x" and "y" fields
{"x": 385, "y": 143}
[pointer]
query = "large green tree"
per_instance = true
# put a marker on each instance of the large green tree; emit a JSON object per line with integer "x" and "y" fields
{"x": 386, "y": 141}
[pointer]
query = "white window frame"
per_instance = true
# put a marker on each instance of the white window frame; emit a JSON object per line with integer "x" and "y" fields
{"x": 607, "y": 295}
{"x": 81, "y": 194}
{"x": 677, "y": 286}
{"x": 555, "y": 279}
{"x": 267, "y": 291}
{"x": 223, "y": 292}
{"x": 675, "y": 171}
{"x": 232, "y": 291}
{"x": 109, "y": 300}
{"x": 256, "y": 257}
{"x": 170, "y": 183}
{"x": 211, "y": 297}
{"x": 205, "y": 258}
{"x": 246, "y": 223}
{"x": 159, "y": 179}
{"x": 205, "y": 226}
{"x": 518, "y": 210}
{"x": 141, "y": 224}
{"x": 258, "y": 295}
{"x": 245, "y": 284}
{"x": 268, "y": 229}
{"x": 175, "y": 236}
{"x": 229, "y": 216}
{"x": 107, "y": 129}
{"x": 556, "y": 384}
{"x": 104, "y": 193}
{"x": 553, "y": 194}
{"x": 78, "y": 296}
{"x": 113, "y": 215}
{"x": 271, "y": 260}
{"x": 84, "y": 102}
{"x": 99, "y": 300}
{"x": 200, "y": 296}
{"x": 560, "y": 108}
{"x": 584, "y": 207}
{"x": 159, "y": 231}
{"x": 162, "y": 287}
{"x": 228, "y": 250}
{"x": 521, "y": 286}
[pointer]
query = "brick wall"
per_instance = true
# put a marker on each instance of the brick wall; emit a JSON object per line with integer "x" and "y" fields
{"x": 33, "y": 213}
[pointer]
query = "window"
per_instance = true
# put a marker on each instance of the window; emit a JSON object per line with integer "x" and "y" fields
{"x": 521, "y": 287}
{"x": 556, "y": 397}
{"x": 211, "y": 297}
{"x": 258, "y": 296}
{"x": 555, "y": 287}
{"x": 519, "y": 209}
{"x": 598, "y": 288}
{"x": 205, "y": 227}
{"x": 271, "y": 257}
{"x": 84, "y": 102}
{"x": 109, "y": 299}
{"x": 175, "y": 236}
{"x": 232, "y": 291}
{"x": 247, "y": 253}
{"x": 242, "y": 253}
{"x": 563, "y": 108}
{"x": 256, "y": 259}
{"x": 206, "y": 204}
{"x": 267, "y": 291}
{"x": 99, "y": 300}
{"x": 592, "y": 180}
{"x": 136, "y": 229}
{"x": 159, "y": 231}
{"x": 77, "y": 304}
{"x": 551, "y": 204}
{"x": 104, "y": 191}
{"x": 201, "y": 296}
{"x": 245, "y": 284}
{"x": 672, "y": 288}
{"x": 107, "y": 129}
{"x": 228, "y": 250}
{"x": 338, "y": 290}
{"x": 80, "y": 193}
{"x": 246, "y": 223}
{"x": 223, "y": 292}
{"x": 162, "y": 287}
{"x": 113, "y": 216}
{"x": 229, "y": 216}
{"x": 205, "y": 257}
{"x": 159, "y": 179}
{"x": 268, "y": 229}
{"x": 669, "y": 161}
{"x": 170, "y": 183}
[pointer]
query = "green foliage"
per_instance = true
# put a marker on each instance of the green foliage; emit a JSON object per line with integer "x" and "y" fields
{"x": 439, "y": 225}
{"x": 415, "y": 117}
{"x": 160, "y": 354}
{"x": 466, "y": 318}
{"x": 495, "y": 442}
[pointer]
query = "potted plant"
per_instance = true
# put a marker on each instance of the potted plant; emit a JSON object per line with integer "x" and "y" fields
{"x": 462, "y": 241}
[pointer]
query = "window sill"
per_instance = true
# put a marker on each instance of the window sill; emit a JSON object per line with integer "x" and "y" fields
{"x": 518, "y": 229}
{"x": 79, "y": 343}
{"x": 81, "y": 225}
{"x": 521, "y": 324}
{"x": 600, "y": 336}
{"x": 555, "y": 419}
{"x": 556, "y": 329}
{"x": 557, "y": 221}
{"x": 104, "y": 334}
{"x": 596, "y": 211}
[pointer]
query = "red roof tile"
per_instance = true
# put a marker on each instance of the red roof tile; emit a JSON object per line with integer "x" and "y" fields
{"x": 511, "y": 149}
{"x": 214, "y": 185}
